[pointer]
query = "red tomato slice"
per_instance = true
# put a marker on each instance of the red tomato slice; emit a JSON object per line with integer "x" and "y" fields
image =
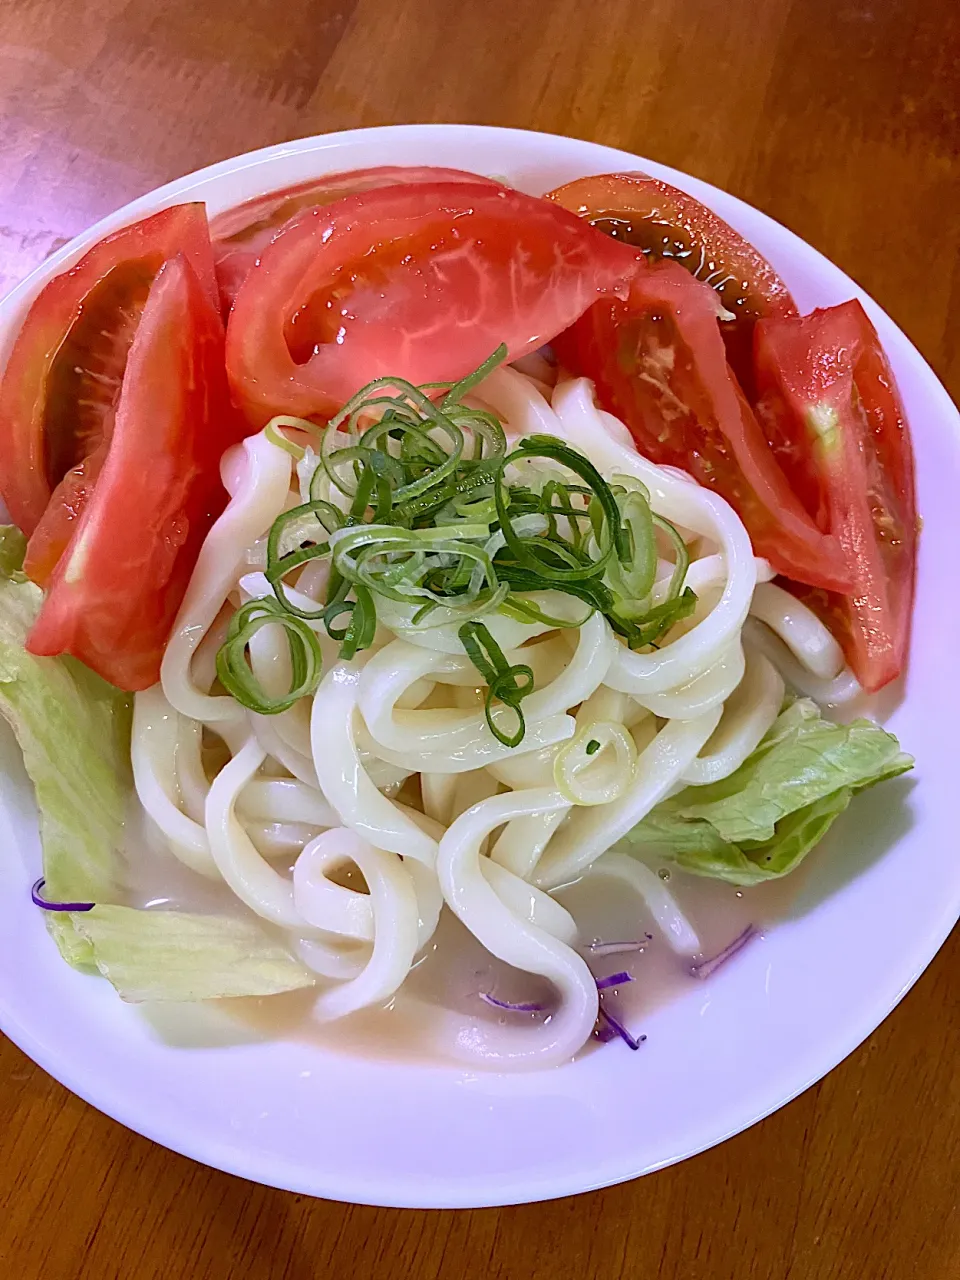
{"x": 422, "y": 282}
{"x": 58, "y": 396}
{"x": 831, "y": 409}
{"x": 666, "y": 223}
{"x": 52, "y": 535}
{"x": 115, "y": 592}
{"x": 241, "y": 234}
{"x": 659, "y": 363}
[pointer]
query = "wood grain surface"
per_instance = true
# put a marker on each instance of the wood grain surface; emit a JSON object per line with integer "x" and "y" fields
{"x": 838, "y": 117}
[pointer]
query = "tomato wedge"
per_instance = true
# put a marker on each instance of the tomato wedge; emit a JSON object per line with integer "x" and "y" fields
{"x": 421, "y": 282}
{"x": 114, "y": 594}
{"x": 664, "y": 222}
{"x": 59, "y": 392}
{"x": 830, "y": 406}
{"x": 241, "y": 234}
{"x": 659, "y": 363}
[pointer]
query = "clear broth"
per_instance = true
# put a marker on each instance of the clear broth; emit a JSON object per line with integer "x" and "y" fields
{"x": 441, "y": 1000}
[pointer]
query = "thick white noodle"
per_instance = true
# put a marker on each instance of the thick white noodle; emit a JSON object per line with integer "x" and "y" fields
{"x": 482, "y": 754}
{"x": 437, "y": 791}
{"x": 153, "y": 752}
{"x": 530, "y": 903}
{"x": 343, "y": 779}
{"x": 829, "y": 693}
{"x": 522, "y": 841}
{"x": 258, "y": 492}
{"x": 285, "y": 800}
{"x": 387, "y": 916}
{"x": 660, "y": 902}
{"x": 511, "y": 936}
{"x": 684, "y": 503}
{"x": 319, "y": 785}
{"x": 705, "y": 691}
{"x": 275, "y": 746}
{"x": 800, "y": 629}
{"x": 250, "y": 877}
{"x": 508, "y": 632}
{"x": 447, "y": 733}
{"x": 277, "y": 841}
{"x": 319, "y": 899}
{"x": 588, "y": 833}
{"x": 747, "y": 715}
{"x": 706, "y": 574}
{"x": 192, "y": 777}
{"x": 425, "y": 884}
{"x": 533, "y": 769}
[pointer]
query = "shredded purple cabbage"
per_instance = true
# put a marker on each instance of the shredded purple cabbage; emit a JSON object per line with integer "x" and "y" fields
{"x": 56, "y": 906}
{"x": 528, "y": 1006}
{"x": 614, "y": 980}
{"x": 706, "y": 968}
{"x": 611, "y": 1026}
{"x": 608, "y": 1027}
{"x": 614, "y": 948}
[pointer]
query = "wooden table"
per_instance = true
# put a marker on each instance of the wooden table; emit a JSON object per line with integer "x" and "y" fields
{"x": 840, "y": 118}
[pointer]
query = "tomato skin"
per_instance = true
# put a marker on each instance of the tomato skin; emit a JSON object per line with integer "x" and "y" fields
{"x": 114, "y": 594}
{"x": 659, "y": 363}
{"x": 828, "y": 371}
{"x": 421, "y": 282}
{"x": 26, "y": 477}
{"x": 665, "y": 222}
{"x": 240, "y": 235}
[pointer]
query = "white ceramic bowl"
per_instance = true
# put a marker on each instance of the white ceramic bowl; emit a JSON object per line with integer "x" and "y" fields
{"x": 881, "y": 901}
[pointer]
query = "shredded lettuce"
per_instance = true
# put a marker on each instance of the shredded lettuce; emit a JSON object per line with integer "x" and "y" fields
{"x": 761, "y": 822}
{"x": 74, "y": 731}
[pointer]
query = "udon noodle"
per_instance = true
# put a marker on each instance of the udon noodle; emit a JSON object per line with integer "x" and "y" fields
{"x": 391, "y": 770}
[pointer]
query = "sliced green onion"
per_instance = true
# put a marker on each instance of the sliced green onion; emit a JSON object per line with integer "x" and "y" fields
{"x": 682, "y": 561}
{"x": 505, "y": 683}
{"x": 529, "y": 552}
{"x": 363, "y": 625}
{"x": 659, "y": 620}
{"x": 597, "y": 765}
{"x": 457, "y": 390}
{"x": 286, "y": 552}
{"x": 524, "y": 609}
{"x": 235, "y": 672}
{"x": 636, "y": 578}
{"x": 437, "y": 516}
{"x": 272, "y": 432}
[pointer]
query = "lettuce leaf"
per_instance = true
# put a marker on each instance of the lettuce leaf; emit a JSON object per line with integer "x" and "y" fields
{"x": 74, "y": 731}
{"x": 766, "y": 817}
{"x": 174, "y": 955}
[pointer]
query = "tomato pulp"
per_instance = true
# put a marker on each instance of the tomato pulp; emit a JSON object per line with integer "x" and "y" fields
{"x": 664, "y": 222}
{"x": 114, "y": 593}
{"x": 659, "y": 363}
{"x": 240, "y": 235}
{"x": 59, "y": 392}
{"x": 419, "y": 282}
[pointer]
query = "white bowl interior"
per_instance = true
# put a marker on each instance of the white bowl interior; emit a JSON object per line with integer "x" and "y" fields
{"x": 879, "y": 900}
